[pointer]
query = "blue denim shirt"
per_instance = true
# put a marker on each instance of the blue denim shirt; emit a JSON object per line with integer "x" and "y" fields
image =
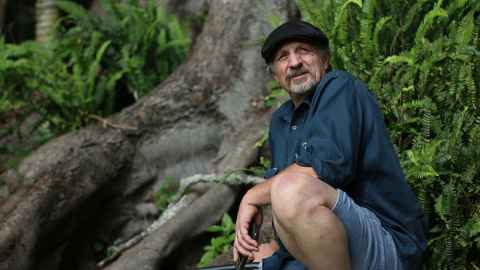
{"x": 340, "y": 132}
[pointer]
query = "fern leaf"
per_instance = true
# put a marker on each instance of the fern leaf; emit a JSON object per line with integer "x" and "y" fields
{"x": 398, "y": 59}
{"x": 376, "y": 34}
{"x": 465, "y": 30}
{"x": 78, "y": 13}
{"x": 428, "y": 21}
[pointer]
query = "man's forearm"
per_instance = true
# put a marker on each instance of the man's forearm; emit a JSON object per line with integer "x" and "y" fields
{"x": 259, "y": 194}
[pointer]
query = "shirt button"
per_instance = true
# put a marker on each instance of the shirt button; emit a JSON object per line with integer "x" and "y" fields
{"x": 305, "y": 145}
{"x": 296, "y": 156}
{"x": 294, "y": 127}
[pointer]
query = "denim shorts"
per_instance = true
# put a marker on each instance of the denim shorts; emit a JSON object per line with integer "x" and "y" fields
{"x": 370, "y": 246}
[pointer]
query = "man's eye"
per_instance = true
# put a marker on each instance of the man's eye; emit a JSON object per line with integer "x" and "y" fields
{"x": 282, "y": 57}
{"x": 304, "y": 50}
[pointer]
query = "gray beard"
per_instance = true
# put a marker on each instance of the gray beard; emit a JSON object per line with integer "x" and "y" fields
{"x": 302, "y": 88}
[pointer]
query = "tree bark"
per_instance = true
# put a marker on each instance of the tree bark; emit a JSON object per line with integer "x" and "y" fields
{"x": 204, "y": 118}
{"x": 200, "y": 205}
{"x": 204, "y": 211}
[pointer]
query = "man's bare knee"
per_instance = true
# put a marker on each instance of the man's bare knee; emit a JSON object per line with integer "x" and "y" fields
{"x": 295, "y": 197}
{"x": 306, "y": 223}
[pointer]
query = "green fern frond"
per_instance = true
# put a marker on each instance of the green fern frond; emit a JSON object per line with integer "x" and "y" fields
{"x": 352, "y": 2}
{"x": 340, "y": 29}
{"x": 379, "y": 27}
{"x": 413, "y": 13}
{"x": 437, "y": 13}
{"x": 398, "y": 59}
{"x": 469, "y": 81}
{"x": 425, "y": 201}
{"x": 76, "y": 12}
{"x": 465, "y": 30}
{"x": 427, "y": 125}
{"x": 366, "y": 29}
{"x": 307, "y": 8}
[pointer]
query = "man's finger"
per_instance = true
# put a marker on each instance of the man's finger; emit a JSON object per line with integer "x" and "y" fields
{"x": 242, "y": 244}
{"x": 249, "y": 240}
{"x": 241, "y": 250}
{"x": 246, "y": 241}
{"x": 235, "y": 253}
{"x": 242, "y": 247}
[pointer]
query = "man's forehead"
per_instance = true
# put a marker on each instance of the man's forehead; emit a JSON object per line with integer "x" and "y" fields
{"x": 293, "y": 44}
{"x": 296, "y": 43}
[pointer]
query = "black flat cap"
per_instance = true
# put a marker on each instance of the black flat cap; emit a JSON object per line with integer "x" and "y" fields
{"x": 292, "y": 30}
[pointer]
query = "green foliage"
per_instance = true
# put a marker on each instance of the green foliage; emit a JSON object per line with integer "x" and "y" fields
{"x": 165, "y": 194}
{"x": 421, "y": 59}
{"x": 77, "y": 77}
{"x": 260, "y": 168}
{"x": 29, "y": 73}
{"x": 276, "y": 94}
{"x": 147, "y": 44}
{"x": 220, "y": 244}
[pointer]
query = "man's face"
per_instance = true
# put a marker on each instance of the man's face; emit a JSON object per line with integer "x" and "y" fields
{"x": 298, "y": 66}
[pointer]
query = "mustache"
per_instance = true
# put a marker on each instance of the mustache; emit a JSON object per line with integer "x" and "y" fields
{"x": 295, "y": 72}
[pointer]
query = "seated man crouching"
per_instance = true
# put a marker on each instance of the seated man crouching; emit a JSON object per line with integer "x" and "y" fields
{"x": 338, "y": 195}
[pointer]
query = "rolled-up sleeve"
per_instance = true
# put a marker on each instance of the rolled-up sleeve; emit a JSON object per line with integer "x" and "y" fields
{"x": 271, "y": 172}
{"x": 334, "y": 128}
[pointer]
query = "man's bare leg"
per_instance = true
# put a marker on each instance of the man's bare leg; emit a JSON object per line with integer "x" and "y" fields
{"x": 311, "y": 232}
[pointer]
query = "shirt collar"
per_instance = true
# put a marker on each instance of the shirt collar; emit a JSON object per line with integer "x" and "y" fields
{"x": 289, "y": 107}
{"x": 287, "y": 113}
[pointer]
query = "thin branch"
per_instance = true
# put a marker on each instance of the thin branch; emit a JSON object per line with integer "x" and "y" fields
{"x": 107, "y": 123}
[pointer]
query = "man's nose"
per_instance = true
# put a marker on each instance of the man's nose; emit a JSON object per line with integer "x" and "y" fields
{"x": 294, "y": 61}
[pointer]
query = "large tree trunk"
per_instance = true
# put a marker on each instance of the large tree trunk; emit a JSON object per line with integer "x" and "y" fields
{"x": 204, "y": 118}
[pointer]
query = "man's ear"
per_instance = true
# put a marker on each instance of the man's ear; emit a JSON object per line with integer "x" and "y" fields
{"x": 326, "y": 62}
{"x": 270, "y": 69}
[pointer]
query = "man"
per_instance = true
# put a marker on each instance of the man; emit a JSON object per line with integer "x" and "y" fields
{"x": 338, "y": 195}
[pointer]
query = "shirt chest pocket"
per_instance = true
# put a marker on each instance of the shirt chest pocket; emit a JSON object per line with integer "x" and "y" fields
{"x": 299, "y": 149}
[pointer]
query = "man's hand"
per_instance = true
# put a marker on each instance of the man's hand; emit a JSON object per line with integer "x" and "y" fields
{"x": 244, "y": 244}
{"x": 249, "y": 209}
